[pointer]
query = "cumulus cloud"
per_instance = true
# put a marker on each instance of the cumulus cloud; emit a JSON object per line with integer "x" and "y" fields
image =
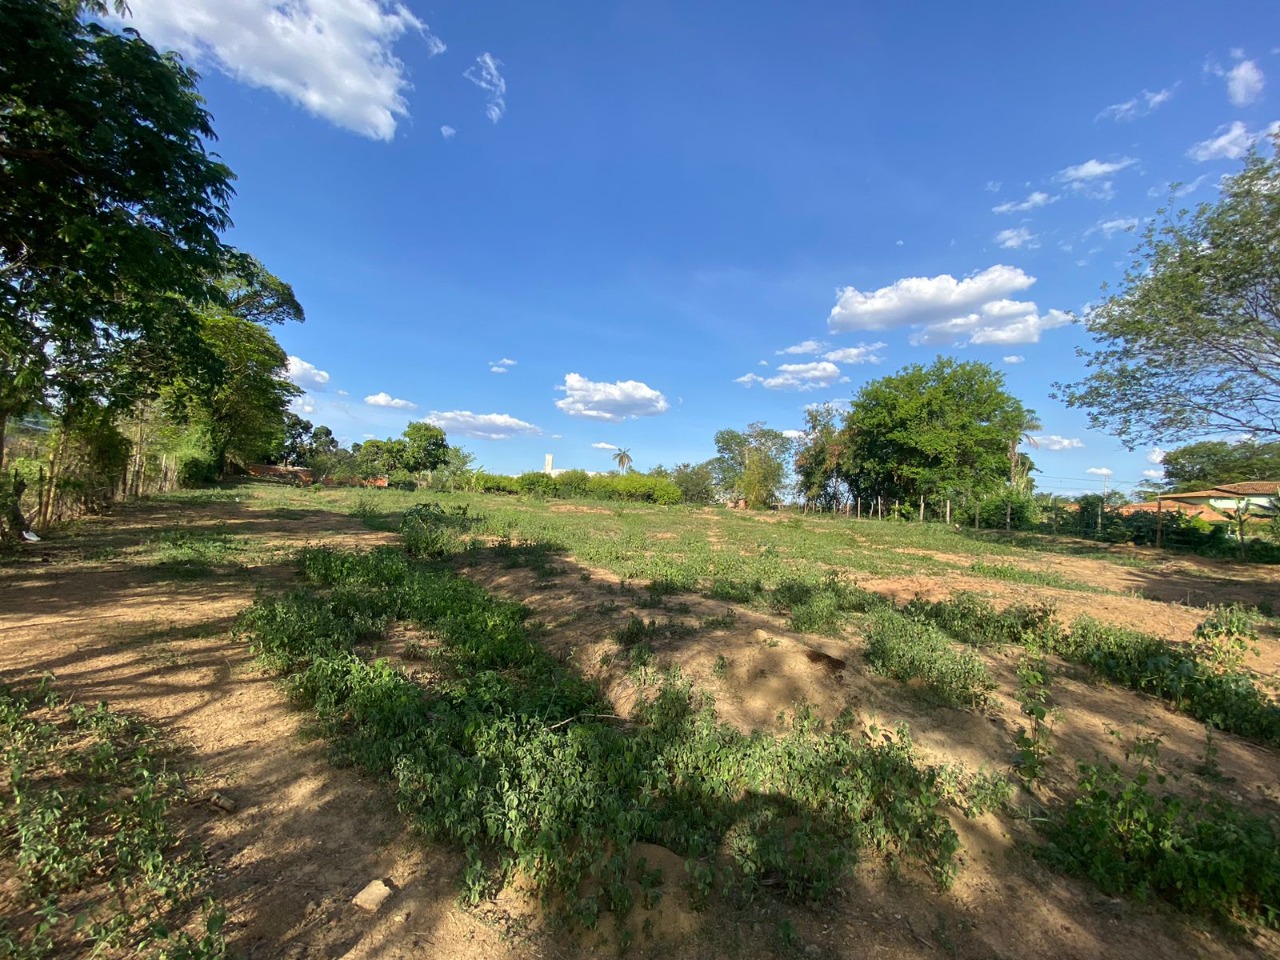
{"x": 1229, "y": 143}
{"x": 1137, "y": 107}
{"x": 862, "y": 353}
{"x": 303, "y": 406}
{"x": 604, "y": 446}
{"x": 306, "y": 375}
{"x": 794, "y": 434}
{"x": 484, "y": 74}
{"x": 614, "y": 402}
{"x": 1034, "y": 200}
{"x": 921, "y": 300}
{"x": 806, "y": 347}
{"x": 481, "y": 426}
{"x": 1153, "y": 474}
{"x": 1094, "y": 169}
{"x": 796, "y": 376}
{"x": 1055, "y": 442}
{"x": 386, "y": 400}
{"x": 333, "y": 58}
{"x": 1244, "y": 83}
{"x": 1100, "y": 471}
{"x": 999, "y": 322}
{"x": 448, "y": 132}
{"x": 505, "y": 362}
{"x": 1016, "y": 237}
{"x": 496, "y": 369}
{"x": 1110, "y": 228}
{"x": 1155, "y": 455}
{"x": 1014, "y": 358}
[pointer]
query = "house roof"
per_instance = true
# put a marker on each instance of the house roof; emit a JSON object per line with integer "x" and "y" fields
{"x": 1190, "y": 509}
{"x": 1250, "y": 488}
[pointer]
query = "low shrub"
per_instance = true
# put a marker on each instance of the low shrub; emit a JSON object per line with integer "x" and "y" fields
{"x": 906, "y": 648}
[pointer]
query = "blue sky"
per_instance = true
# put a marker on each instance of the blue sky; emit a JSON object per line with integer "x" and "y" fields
{"x": 555, "y": 228}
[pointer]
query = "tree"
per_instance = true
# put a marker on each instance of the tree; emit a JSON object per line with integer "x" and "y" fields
{"x": 425, "y": 447}
{"x": 696, "y": 483}
{"x": 1212, "y": 463}
{"x": 751, "y": 465}
{"x": 820, "y": 479}
{"x": 939, "y": 431}
{"x": 1190, "y": 344}
{"x": 622, "y": 457}
{"x": 110, "y": 209}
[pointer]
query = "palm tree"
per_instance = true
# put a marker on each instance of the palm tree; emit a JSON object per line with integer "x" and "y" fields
{"x": 622, "y": 457}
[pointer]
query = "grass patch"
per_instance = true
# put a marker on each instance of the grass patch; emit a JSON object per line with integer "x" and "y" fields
{"x": 87, "y": 834}
{"x": 910, "y": 649}
{"x": 1039, "y": 578}
{"x": 518, "y": 761}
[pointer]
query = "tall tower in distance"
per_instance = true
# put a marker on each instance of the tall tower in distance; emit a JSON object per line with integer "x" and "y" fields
{"x": 546, "y": 467}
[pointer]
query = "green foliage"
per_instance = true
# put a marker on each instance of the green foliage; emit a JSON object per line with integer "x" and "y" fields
{"x": 1204, "y": 855}
{"x": 751, "y": 465}
{"x": 88, "y": 838}
{"x": 1230, "y": 699}
{"x": 1225, "y": 637}
{"x": 508, "y": 753}
{"x": 1186, "y": 346}
{"x": 907, "y": 649}
{"x": 935, "y": 432}
{"x": 1211, "y": 463}
{"x": 112, "y": 212}
{"x": 1032, "y": 741}
{"x": 696, "y": 483}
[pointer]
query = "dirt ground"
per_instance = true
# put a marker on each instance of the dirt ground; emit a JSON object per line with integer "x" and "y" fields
{"x": 307, "y": 836}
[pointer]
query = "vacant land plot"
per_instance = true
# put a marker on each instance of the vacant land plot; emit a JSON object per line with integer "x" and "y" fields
{"x": 838, "y": 738}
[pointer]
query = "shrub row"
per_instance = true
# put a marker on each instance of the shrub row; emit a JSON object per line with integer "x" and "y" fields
{"x": 513, "y": 757}
{"x": 908, "y": 648}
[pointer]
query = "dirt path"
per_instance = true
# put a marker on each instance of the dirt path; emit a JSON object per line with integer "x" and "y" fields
{"x": 306, "y": 837}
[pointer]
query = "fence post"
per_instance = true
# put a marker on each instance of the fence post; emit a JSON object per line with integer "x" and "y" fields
{"x": 948, "y": 511}
{"x": 977, "y": 514}
{"x": 1159, "y": 522}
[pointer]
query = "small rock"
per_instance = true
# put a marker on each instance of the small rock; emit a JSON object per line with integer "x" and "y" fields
{"x": 372, "y": 896}
{"x": 223, "y": 802}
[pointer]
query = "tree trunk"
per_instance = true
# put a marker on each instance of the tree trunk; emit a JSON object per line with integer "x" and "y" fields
{"x": 4, "y": 423}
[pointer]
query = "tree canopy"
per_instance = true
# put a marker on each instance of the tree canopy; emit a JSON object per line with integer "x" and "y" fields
{"x": 751, "y": 465}
{"x": 1211, "y": 463}
{"x": 1189, "y": 345}
{"x": 940, "y": 431}
{"x": 110, "y": 210}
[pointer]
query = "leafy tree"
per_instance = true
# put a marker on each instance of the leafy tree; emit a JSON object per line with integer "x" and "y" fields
{"x": 1190, "y": 344}
{"x": 297, "y": 447}
{"x": 622, "y": 457}
{"x": 425, "y": 448}
{"x": 696, "y": 483}
{"x": 1211, "y": 463}
{"x": 932, "y": 431}
{"x": 751, "y": 465}
{"x": 110, "y": 209}
{"x": 820, "y": 479}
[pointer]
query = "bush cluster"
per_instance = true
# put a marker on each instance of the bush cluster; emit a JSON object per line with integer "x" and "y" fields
{"x": 517, "y": 760}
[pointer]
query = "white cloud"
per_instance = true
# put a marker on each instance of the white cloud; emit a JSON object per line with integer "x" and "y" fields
{"x": 485, "y": 75}
{"x": 794, "y": 434}
{"x": 1100, "y": 471}
{"x": 1162, "y": 190}
{"x": 505, "y": 362}
{"x": 333, "y": 58}
{"x": 1016, "y": 238}
{"x": 481, "y": 426}
{"x": 303, "y": 406}
{"x": 609, "y": 401}
{"x": 862, "y": 353}
{"x": 497, "y": 369}
{"x": 1034, "y": 200}
{"x": 386, "y": 400}
{"x": 1014, "y": 358}
{"x": 604, "y": 446}
{"x": 343, "y": 393}
{"x": 993, "y": 186}
{"x": 1094, "y": 169}
{"x": 1231, "y": 143}
{"x": 808, "y": 346}
{"x": 999, "y": 322}
{"x": 920, "y": 300}
{"x": 803, "y": 376}
{"x": 306, "y": 375}
{"x": 1153, "y": 474}
{"x": 1055, "y": 442}
{"x": 1244, "y": 83}
{"x": 448, "y": 132}
{"x": 1110, "y": 228}
{"x": 1155, "y": 455}
{"x": 1139, "y": 106}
